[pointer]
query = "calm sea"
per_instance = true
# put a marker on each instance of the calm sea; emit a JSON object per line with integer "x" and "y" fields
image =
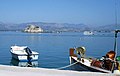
{"x": 54, "y": 47}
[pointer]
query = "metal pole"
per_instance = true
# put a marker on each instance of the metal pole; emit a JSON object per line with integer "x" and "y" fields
{"x": 115, "y": 49}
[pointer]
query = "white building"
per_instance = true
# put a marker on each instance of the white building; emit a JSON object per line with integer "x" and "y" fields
{"x": 33, "y": 29}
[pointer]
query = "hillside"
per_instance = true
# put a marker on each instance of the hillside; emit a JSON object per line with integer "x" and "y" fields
{"x": 108, "y": 27}
{"x": 56, "y": 27}
{"x": 46, "y": 26}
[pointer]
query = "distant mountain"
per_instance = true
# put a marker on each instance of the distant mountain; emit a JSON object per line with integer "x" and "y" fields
{"x": 3, "y": 26}
{"x": 108, "y": 27}
{"x": 56, "y": 27}
{"x": 45, "y": 26}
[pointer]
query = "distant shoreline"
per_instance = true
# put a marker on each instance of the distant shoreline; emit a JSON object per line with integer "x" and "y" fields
{"x": 102, "y": 31}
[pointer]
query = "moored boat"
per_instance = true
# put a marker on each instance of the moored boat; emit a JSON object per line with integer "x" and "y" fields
{"x": 88, "y": 33}
{"x": 23, "y": 53}
{"x": 109, "y": 63}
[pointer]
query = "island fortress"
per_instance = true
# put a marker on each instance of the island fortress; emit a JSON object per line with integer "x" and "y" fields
{"x": 33, "y": 29}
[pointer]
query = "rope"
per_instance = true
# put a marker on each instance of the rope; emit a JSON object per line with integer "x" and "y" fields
{"x": 67, "y": 66}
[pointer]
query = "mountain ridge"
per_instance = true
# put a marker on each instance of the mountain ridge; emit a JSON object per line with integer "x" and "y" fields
{"x": 57, "y": 26}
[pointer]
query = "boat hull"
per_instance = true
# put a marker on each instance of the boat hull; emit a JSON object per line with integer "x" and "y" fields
{"x": 24, "y": 57}
{"x": 77, "y": 66}
{"x": 83, "y": 67}
{"x": 24, "y": 64}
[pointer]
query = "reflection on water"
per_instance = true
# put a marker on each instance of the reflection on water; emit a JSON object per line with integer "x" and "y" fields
{"x": 23, "y": 64}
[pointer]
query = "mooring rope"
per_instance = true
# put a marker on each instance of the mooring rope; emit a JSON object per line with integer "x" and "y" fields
{"x": 67, "y": 66}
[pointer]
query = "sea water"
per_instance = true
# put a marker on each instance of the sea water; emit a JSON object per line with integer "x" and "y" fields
{"x": 54, "y": 48}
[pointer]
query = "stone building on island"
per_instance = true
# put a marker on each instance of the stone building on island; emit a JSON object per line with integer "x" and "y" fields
{"x": 33, "y": 29}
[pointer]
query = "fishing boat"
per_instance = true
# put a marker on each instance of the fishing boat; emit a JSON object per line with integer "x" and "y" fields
{"x": 109, "y": 63}
{"x": 23, "y": 53}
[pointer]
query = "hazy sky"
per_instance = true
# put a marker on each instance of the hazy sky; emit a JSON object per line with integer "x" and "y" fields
{"x": 90, "y": 12}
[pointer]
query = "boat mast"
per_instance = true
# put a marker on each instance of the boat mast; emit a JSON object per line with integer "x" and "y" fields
{"x": 116, "y": 31}
{"x": 115, "y": 49}
{"x": 115, "y": 44}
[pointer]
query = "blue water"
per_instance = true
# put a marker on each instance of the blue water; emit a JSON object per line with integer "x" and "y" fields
{"x": 54, "y": 47}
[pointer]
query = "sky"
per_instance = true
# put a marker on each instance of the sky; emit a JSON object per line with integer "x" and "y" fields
{"x": 89, "y": 12}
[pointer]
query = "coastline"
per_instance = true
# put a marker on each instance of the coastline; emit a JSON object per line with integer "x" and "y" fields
{"x": 29, "y": 71}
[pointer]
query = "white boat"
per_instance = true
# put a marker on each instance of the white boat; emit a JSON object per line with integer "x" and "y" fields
{"x": 88, "y": 33}
{"x": 109, "y": 63}
{"x": 23, "y": 53}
